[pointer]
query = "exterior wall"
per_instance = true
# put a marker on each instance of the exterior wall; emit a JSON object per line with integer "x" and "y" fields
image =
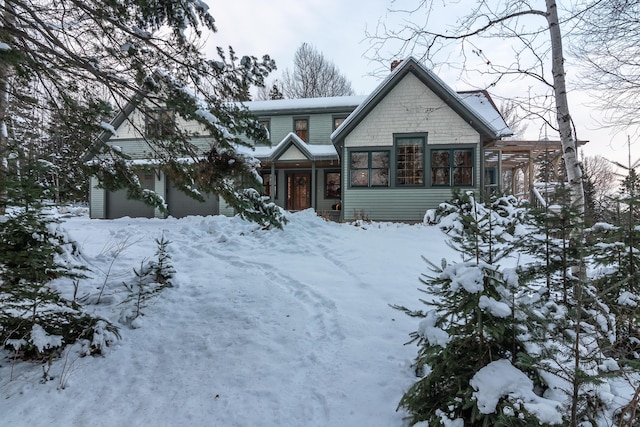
{"x": 410, "y": 107}
{"x": 160, "y": 187}
{"x": 320, "y": 127}
{"x": 97, "y": 200}
{"x": 134, "y": 127}
{"x": 293, "y": 154}
{"x": 130, "y": 136}
{"x": 325, "y": 205}
{"x": 395, "y": 204}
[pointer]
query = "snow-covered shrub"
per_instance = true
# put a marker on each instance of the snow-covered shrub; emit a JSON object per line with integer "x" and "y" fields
{"x": 476, "y": 323}
{"x": 35, "y": 320}
{"x": 507, "y": 212}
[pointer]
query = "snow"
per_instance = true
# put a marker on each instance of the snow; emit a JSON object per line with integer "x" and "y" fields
{"x": 304, "y": 103}
{"x": 496, "y": 308}
{"x": 501, "y": 379}
{"x": 263, "y": 328}
{"x": 4, "y": 46}
{"x": 43, "y": 340}
{"x": 108, "y": 127}
{"x": 478, "y": 102}
{"x": 428, "y": 329}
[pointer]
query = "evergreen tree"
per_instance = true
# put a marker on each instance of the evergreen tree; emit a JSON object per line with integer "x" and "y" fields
{"x": 35, "y": 321}
{"x": 64, "y": 147}
{"x": 616, "y": 252}
{"x": 550, "y": 242}
{"x": 121, "y": 53}
{"x": 578, "y": 323}
{"x": 275, "y": 92}
{"x": 473, "y": 320}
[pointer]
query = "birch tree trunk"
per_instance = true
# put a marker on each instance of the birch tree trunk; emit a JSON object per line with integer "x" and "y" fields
{"x": 5, "y": 70}
{"x": 567, "y": 137}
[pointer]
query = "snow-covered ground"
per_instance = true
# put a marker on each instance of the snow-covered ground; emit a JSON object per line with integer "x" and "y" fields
{"x": 262, "y": 328}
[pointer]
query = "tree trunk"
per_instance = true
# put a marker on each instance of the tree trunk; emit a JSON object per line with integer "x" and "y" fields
{"x": 5, "y": 71}
{"x": 567, "y": 138}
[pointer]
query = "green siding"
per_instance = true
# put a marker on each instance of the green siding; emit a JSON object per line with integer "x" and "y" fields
{"x": 281, "y": 126}
{"x": 395, "y": 204}
{"x": 320, "y": 127}
{"x": 392, "y": 204}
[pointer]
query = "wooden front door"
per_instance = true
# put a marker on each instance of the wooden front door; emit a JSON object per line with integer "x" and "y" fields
{"x": 298, "y": 191}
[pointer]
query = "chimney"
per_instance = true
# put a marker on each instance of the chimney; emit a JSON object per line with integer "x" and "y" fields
{"x": 395, "y": 63}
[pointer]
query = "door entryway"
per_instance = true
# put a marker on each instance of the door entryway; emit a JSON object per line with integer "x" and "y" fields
{"x": 298, "y": 191}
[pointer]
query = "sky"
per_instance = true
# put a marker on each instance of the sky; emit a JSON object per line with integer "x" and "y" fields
{"x": 338, "y": 30}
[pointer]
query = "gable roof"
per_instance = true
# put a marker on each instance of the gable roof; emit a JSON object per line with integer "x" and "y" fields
{"x": 310, "y": 151}
{"x": 472, "y": 107}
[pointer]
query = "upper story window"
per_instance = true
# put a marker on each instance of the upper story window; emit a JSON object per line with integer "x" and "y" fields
{"x": 452, "y": 167}
{"x": 266, "y": 123}
{"x": 337, "y": 121}
{"x": 160, "y": 123}
{"x": 301, "y": 128}
{"x": 369, "y": 168}
{"x": 410, "y": 161}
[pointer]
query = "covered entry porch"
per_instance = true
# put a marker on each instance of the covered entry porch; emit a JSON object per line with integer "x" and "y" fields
{"x": 299, "y": 176}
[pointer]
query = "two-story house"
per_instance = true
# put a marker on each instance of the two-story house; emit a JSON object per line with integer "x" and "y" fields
{"x": 387, "y": 156}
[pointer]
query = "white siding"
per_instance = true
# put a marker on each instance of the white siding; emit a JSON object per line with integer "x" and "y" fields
{"x": 160, "y": 187}
{"x": 411, "y": 107}
{"x": 134, "y": 127}
{"x": 293, "y": 153}
{"x": 130, "y": 136}
{"x": 97, "y": 198}
{"x": 225, "y": 209}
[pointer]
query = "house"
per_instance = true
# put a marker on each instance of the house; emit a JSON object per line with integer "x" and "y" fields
{"x": 388, "y": 156}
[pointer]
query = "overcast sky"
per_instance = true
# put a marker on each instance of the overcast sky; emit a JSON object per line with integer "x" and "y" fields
{"x": 337, "y": 29}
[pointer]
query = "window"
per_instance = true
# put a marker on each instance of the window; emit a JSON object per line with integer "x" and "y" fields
{"x": 369, "y": 168}
{"x": 301, "y": 128}
{"x": 410, "y": 161}
{"x": 332, "y": 185}
{"x": 337, "y": 121}
{"x": 266, "y": 123}
{"x": 266, "y": 184}
{"x": 160, "y": 123}
{"x": 452, "y": 167}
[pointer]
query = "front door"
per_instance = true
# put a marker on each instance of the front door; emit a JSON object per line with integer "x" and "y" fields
{"x": 298, "y": 191}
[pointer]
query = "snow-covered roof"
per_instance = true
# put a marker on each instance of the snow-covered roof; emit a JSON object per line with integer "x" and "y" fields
{"x": 312, "y": 151}
{"x": 481, "y": 103}
{"x": 305, "y": 104}
{"x": 474, "y": 108}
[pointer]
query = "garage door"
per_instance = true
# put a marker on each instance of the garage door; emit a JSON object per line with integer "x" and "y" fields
{"x": 118, "y": 205}
{"x": 181, "y": 205}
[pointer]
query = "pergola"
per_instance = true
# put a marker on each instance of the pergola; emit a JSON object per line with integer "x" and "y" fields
{"x": 510, "y": 165}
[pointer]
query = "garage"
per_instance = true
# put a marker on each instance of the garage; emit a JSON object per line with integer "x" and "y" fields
{"x": 181, "y": 205}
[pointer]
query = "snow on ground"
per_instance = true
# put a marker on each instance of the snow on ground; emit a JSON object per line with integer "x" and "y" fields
{"x": 262, "y": 328}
